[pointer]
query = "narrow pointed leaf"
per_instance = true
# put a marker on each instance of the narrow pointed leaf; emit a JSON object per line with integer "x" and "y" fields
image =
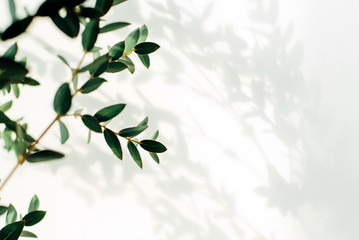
{"x": 89, "y": 136}
{"x": 28, "y": 234}
{"x": 11, "y": 214}
{"x": 95, "y": 65}
{"x": 117, "y": 50}
{"x": 33, "y": 217}
{"x": 62, "y": 101}
{"x": 114, "y": 67}
{"x": 12, "y": 8}
{"x": 153, "y": 146}
{"x": 134, "y": 153}
{"x": 64, "y": 133}
{"x": 12, "y": 231}
{"x": 3, "y": 209}
{"x": 11, "y": 52}
{"x": 146, "y": 48}
{"x": 131, "y": 40}
{"x": 30, "y": 81}
{"x": 113, "y": 142}
{"x": 113, "y": 26}
{"x": 64, "y": 60}
{"x": 16, "y": 90}
{"x": 132, "y": 131}
{"x": 44, "y": 155}
{"x": 143, "y": 34}
{"x": 6, "y": 106}
{"x": 145, "y": 59}
{"x": 155, "y": 135}
{"x": 91, "y": 85}
{"x": 89, "y": 35}
{"x": 144, "y": 122}
{"x": 34, "y": 203}
{"x": 126, "y": 60}
{"x": 92, "y": 123}
{"x": 109, "y": 112}
{"x": 116, "y": 2}
{"x": 16, "y": 28}
{"x": 155, "y": 157}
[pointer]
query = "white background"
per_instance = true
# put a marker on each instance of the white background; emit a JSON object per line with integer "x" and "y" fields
{"x": 256, "y": 101}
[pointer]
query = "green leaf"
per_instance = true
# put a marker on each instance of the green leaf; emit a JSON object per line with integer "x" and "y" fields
{"x": 12, "y": 231}
{"x": 17, "y": 28}
{"x": 6, "y": 106}
{"x": 11, "y": 214}
{"x": 49, "y": 8}
{"x": 155, "y": 135}
{"x": 126, "y": 60}
{"x": 28, "y": 234}
{"x": 9, "y": 143}
{"x": 103, "y": 6}
{"x": 113, "y": 142}
{"x": 75, "y": 80}
{"x": 63, "y": 98}
{"x": 12, "y": 8}
{"x": 3, "y": 209}
{"x": 155, "y": 157}
{"x": 92, "y": 85}
{"x": 134, "y": 153}
{"x": 144, "y": 122}
{"x": 116, "y": 2}
{"x": 114, "y": 67}
{"x": 33, "y": 217}
{"x": 11, "y": 71}
{"x": 89, "y": 137}
{"x": 117, "y": 50}
{"x": 44, "y": 155}
{"x": 11, "y": 52}
{"x": 131, "y": 40}
{"x": 89, "y": 12}
{"x": 64, "y": 60}
{"x": 109, "y": 112}
{"x": 70, "y": 25}
{"x": 143, "y": 34}
{"x": 97, "y": 65}
{"x": 146, "y": 48}
{"x": 34, "y": 203}
{"x": 132, "y": 131}
{"x": 78, "y": 112}
{"x": 30, "y": 81}
{"x": 145, "y": 59}
{"x": 113, "y": 26}
{"x": 153, "y": 146}
{"x": 89, "y": 35}
{"x": 64, "y": 133}
{"x": 92, "y": 123}
{"x": 16, "y": 90}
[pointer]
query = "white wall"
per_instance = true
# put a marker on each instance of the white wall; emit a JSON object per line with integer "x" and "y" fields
{"x": 256, "y": 102}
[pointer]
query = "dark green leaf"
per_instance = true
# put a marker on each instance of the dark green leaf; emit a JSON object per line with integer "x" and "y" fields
{"x": 64, "y": 133}
{"x": 3, "y": 209}
{"x": 96, "y": 65}
{"x": 11, "y": 52}
{"x": 12, "y": 8}
{"x": 132, "y": 131}
{"x": 91, "y": 123}
{"x": 33, "y": 217}
{"x": 19, "y": 146}
{"x": 44, "y": 155}
{"x": 155, "y": 157}
{"x": 155, "y": 135}
{"x": 64, "y": 60}
{"x": 145, "y": 59}
{"x": 6, "y": 106}
{"x": 103, "y": 6}
{"x": 146, "y": 48}
{"x": 109, "y": 112}
{"x": 115, "y": 2}
{"x": 89, "y": 35}
{"x": 62, "y": 101}
{"x": 113, "y": 142}
{"x": 11, "y": 71}
{"x": 49, "y": 8}
{"x": 131, "y": 40}
{"x": 134, "y": 153}
{"x": 16, "y": 28}
{"x": 28, "y": 234}
{"x": 113, "y": 26}
{"x": 114, "y": 67}
{"x": 153, "y": 146}
{"x": 92, "y": 85}
{"x": 117, "y": 50}
{"x": 11, "y": 214}
{"x": 126, "y": 60}
{"x": 30, "y": 81}
{"x": 12, "y": 231}
{"x": 144, "y": 122}
{"x": 69, "y": 25}
{"x": 9, "y": 143}
{"x": 34, "y": 203}
{"x": 143, "y": 34}
{"x": 90, "y": 12}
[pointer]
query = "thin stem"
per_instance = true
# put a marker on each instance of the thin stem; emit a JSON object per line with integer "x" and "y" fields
{"x": 9, "y": 176}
